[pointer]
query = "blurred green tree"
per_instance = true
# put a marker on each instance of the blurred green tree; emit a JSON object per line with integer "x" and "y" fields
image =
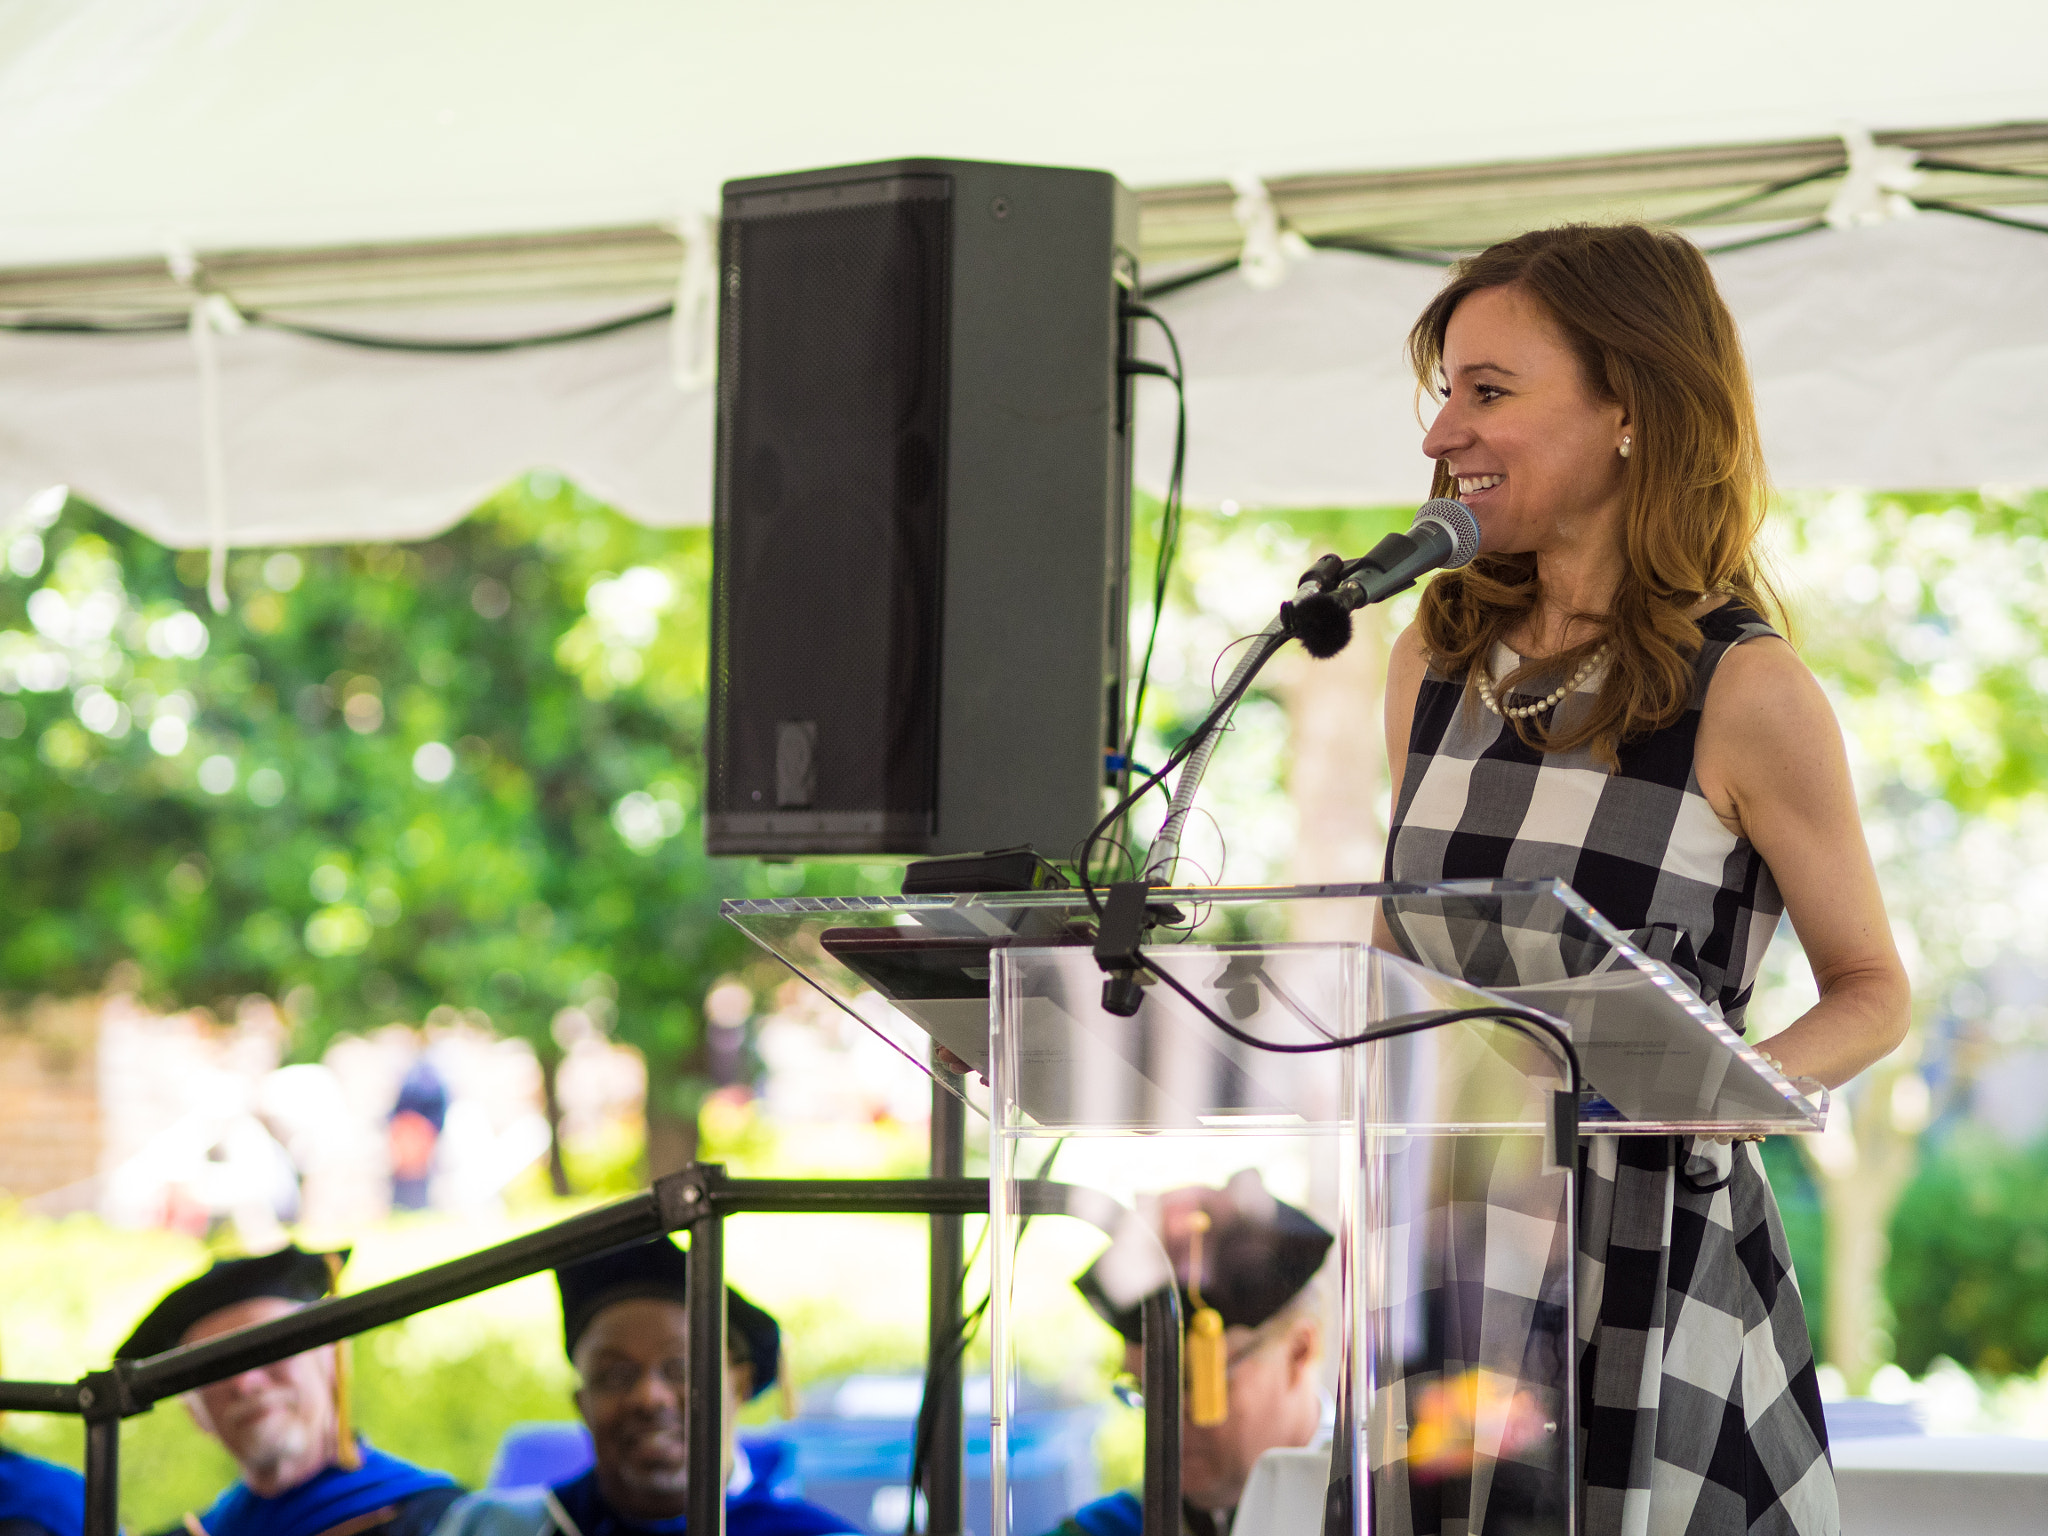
{"x": 1968, "y": 1276}
{"x": 1925, "y": 616}
{"x": 463, "y": 773}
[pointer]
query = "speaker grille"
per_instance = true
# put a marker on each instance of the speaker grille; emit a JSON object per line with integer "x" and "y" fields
{"x": 830, "y": 511}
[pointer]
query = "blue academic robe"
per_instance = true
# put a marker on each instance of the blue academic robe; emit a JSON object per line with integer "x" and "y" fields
{"x": 41, "y": 1493}
{"x": 1123, "y": 1514}
{"x": 1120, "y": 1514}
{"x": 335, "y": 1497}
{"x": 756, "y": 1510}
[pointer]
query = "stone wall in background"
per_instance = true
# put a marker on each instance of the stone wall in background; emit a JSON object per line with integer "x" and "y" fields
{"x": 49, "y": 1100}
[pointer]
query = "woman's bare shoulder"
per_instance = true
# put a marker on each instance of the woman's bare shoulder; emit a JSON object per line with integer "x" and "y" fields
{"x": 1761, "y": 681}
{"x": 1767, "y": 732}
{"x": 1408, "y": 660}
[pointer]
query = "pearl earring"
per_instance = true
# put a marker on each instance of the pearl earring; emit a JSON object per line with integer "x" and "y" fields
{"x": 1624, "y": 446}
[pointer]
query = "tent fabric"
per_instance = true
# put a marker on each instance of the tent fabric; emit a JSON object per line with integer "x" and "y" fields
{"x": 131, "y": 125}
{"x": 1911, "y": 355}
{"x": 325, "y": 443}
{"x": 151, "y": 129}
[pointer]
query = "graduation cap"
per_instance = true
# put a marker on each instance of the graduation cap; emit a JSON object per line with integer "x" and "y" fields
{"x": 1253, "y": 1253}
{"x": 659, "y": 1269}
{"x": 289, "y": 1274}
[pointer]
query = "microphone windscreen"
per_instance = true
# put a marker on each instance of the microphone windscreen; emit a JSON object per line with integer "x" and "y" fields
{"x": 1321, "y": 624}
{"x": 1457, "y": 520}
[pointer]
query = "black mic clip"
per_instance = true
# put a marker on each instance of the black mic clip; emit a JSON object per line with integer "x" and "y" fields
{"x": 1325, "y": 573}
{"x": 1126, "y": 916}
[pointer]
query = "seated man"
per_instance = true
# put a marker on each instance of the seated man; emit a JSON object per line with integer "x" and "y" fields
{"x": 1255, "y": 1256}
{"x": 304, "y": 1472}
{"x": 39, "y": 1498}
{"x": 625, "y": 1328}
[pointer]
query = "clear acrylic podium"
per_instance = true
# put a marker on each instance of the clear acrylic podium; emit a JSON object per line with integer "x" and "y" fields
{"x": 1448, "y": 1296}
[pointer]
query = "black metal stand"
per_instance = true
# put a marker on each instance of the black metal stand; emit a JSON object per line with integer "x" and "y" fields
{"x": 698, "y": 1198}
{"x": 945, "y": 1467}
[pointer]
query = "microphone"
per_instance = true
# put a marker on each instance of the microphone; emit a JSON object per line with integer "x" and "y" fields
{"x": 1444, "y": 536}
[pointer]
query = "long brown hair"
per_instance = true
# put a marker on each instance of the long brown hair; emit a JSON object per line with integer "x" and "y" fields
{"x": 1639, "y": 308}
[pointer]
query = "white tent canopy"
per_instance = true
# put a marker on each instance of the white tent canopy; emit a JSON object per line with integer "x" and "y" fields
{"x": 137, "y": 133}
{"x": 280, "y": 123}
{"x": 1913, "y": 355}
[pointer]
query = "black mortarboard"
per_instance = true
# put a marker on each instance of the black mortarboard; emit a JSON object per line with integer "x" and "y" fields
{"x": 660, "y": 1269}
{"x": 1257, "y": 1254}
{"x": 288, "y": 1273}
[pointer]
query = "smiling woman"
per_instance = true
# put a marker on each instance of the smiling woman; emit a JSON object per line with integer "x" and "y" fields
{"x": 1636, "y": 414}
{"x": 1600, "y": 697}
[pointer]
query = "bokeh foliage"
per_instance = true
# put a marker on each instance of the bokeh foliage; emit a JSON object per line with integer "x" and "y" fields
{"x": 460, "y": 773}
{"x": 1968, "y": 1276}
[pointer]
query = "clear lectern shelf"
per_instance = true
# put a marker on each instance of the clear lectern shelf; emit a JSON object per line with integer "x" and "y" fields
{"x": 1446, "y": 1304}
{"x": 916, "y": 971}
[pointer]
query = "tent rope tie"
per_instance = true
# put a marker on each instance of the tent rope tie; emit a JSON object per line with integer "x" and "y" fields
{"x": 212, "y": 315}
{"x": 1876, "y": 185}
{"x": 1269, "y": 247}
{"x": 693, "y": 329}
{"x": 206, "y": 325}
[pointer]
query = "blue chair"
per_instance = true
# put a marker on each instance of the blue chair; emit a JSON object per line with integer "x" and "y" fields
{"x": 857, "y": 1463}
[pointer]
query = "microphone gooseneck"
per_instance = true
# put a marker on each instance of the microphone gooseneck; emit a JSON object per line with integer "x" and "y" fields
{"x": 1444, "y": 535}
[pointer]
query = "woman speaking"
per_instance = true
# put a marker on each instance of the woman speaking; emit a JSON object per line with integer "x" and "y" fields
{"x": 1600, "y": 697}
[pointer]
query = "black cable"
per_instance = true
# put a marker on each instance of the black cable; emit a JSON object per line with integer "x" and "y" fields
{"x": 1180, "y": 753}
{"x": 1967, "y": 168}
{"x": 1446, "y": 255}
{"x": 150, "y": 326}
{"x": 1810, "y": 226}
{"x": 1761, "y": 194}
{"x": 1169, "y": 526}
{"x": 465, "y": 346}
{"x": 1366, "y": 245}
{"x": 1170, "y": 519}
{"x": 1964, "y": 210}
{"x": 1523, "y": 1021}
{"x": 940, "y": 1370}
{"x": 1180, "y": 280}
{"x": 156, "y": 325}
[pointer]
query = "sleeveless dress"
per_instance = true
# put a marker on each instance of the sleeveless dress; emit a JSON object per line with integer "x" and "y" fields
{"x": 1699, "y": 1409}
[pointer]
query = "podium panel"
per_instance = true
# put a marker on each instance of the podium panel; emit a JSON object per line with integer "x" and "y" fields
{"x": 1272, "y": 1054}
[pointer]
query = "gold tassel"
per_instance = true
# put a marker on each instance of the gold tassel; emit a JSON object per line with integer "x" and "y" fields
{"x": 1208, "y": 1360}
{"x": 347, "y": 1455}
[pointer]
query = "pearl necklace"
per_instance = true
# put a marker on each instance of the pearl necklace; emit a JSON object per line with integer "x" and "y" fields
{"x": 1548, "y": 701}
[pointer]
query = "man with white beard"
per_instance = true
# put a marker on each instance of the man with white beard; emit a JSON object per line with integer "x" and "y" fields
{"x": 304, "y": 1471}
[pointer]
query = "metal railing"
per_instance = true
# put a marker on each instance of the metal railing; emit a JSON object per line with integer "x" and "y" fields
{"x": 697, "y": 1200}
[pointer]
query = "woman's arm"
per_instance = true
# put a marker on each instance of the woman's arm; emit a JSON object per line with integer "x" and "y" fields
{"x": 1405, "y": 668}
{"x": 1772, "y": 765}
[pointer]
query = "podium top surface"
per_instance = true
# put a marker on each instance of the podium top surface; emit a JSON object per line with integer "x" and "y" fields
{"x": 916, "y": 971}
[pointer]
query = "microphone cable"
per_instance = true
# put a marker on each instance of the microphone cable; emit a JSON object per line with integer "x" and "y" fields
{"x": 944, "y": 1368}
{"x": 1535, "y": 1026}
{"x": 1171, "y": 514}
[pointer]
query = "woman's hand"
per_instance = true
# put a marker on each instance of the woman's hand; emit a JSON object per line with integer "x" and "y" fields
{"x": 1771, "y": 763}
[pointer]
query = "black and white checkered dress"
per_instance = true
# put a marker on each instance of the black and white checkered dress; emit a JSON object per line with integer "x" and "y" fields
{"x": 1699, "y": 1408}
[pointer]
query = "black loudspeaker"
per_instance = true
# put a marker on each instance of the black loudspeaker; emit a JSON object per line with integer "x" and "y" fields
{"x": 921, "y": 529}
